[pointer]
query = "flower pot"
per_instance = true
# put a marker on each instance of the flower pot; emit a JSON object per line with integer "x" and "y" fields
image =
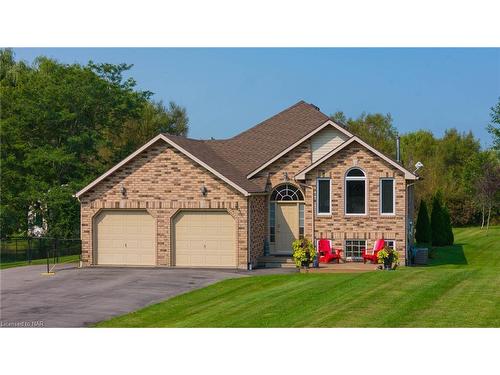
{"x": 388, "y": 262}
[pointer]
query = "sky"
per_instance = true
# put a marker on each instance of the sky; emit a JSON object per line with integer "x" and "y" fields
{"x": 226, "y": 91}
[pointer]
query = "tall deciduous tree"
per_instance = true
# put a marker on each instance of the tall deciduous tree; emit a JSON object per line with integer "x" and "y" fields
{"x": 494, "y": 126}
{"x": 487, "y": 187}
{"x": 59, "y": 127}
{"x": 376, "y": 129}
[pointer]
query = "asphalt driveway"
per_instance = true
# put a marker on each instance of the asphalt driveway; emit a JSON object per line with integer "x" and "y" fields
{"x": 78, "y": 297}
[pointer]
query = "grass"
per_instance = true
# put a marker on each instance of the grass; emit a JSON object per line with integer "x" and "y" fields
{"x": 62, "y": 259}
{"x": 460, "y": 288}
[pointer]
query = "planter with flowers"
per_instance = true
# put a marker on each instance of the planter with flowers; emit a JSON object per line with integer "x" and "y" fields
{"x": 303, "y": 252}
{"x": 389, "y": 258}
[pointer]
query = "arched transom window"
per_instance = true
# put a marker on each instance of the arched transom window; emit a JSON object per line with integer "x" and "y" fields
{"x": 355, "y": 192}
{"x": 287, "y": 192}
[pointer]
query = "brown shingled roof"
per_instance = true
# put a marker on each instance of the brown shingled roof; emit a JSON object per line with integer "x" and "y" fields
{"x": 236, "y": 157}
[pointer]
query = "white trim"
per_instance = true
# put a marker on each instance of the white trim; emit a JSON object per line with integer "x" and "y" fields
{"x": 329, "y": 213}
{"x": 302, "y": 174}
{"x": 171, "y": 143}
{"x": 355, "y": 178}
{"x": 351, "y": 258}
{"x": 385, "y": 243}
{"x": 321, "y": 127}
{"x": 393, "y": 213}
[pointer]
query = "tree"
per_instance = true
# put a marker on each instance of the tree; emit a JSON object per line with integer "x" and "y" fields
{"x": 61, "y": 126}
{"x": 487, "y": 186}
{"x": 423, "y": 231}
{"x": 155, "y": 118}
{"x": 376, "y": 129}
{"x": 447, "y": 161}
{"x": 448, "y": 235}
{"x": 494, "y": 126}
{"x": 438, "y": 226}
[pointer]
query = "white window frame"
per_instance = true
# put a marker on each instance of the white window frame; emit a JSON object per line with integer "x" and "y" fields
{"x": 329, "y": 213}
{"x": 356, "y": 178}
{"x": 352, "y": 258}
{"x": 393, "y": 197}
{"x": 393, "y": 242}
{"x": 302, "y": 208}
{"x": 272, "y": 203}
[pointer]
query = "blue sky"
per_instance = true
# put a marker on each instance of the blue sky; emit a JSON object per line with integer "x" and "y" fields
{"x": 227, "y": 91}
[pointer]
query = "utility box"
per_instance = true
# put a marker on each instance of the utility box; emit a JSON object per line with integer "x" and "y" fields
{"x": 421, "y": 256}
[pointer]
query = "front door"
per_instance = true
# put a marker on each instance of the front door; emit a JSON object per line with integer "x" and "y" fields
{"x": 287, "y": 226}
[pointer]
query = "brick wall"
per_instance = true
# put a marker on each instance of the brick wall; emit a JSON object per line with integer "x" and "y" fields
{"x": 258, "y": 226}
{"x": 338, "y": 226}
{"x": 163, "y": 181}
{"x": 371, "y": 226}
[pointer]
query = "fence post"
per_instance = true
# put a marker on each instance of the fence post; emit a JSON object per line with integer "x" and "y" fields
{"x": 56, "y": 252}
{"x": 29, "y": 250}
{"x": 48, "y": 255}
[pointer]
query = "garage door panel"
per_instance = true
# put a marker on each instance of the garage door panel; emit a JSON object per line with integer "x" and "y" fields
{"x": 204, "y": 239}
{"x": 125, "y": 238}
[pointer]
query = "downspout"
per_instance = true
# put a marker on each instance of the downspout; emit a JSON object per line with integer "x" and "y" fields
{"x": 80, "y": 262}
{"x": 398, "y": 150}
{"x": 249, "y": 232}
{"x": 312, "y": 206}
{"x": 408, "y": 255}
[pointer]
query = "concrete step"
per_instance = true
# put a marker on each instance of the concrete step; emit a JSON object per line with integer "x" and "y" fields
{"x": 271, "y": 261}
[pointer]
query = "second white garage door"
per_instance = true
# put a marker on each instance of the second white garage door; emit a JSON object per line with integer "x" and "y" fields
{"x": 204, "y": 239}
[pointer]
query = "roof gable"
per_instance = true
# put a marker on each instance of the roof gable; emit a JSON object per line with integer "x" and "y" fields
{"x": 238, "y": 160}
{"x": 177, "y": 146}
{"x": 297, "y": 143}
{"x": 254, "y": 147}
{"x": 408, "y": 175}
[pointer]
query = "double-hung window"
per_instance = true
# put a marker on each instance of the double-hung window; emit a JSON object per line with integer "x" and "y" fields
{"x": 355, "y": 192}
{"x": 387, "y": 196}
{"x": 323, "y": 198}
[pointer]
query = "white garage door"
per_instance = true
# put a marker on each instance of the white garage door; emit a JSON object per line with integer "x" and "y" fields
{"x": 125, "y": 238}
{"x": 205, "y": 239}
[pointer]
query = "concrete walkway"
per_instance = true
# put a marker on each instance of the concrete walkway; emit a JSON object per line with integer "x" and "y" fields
{"x": 78, "y": 297}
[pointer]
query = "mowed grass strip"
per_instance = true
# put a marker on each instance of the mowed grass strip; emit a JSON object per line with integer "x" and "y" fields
{"x": 459, "y": 289}
{"x": 62, "y": 259}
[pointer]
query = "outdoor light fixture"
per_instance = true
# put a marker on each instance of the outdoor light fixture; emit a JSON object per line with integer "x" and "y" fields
{"x": 124, "y": 192}
{"x": 204, "y": 191}
{"x": 418, "y": 166}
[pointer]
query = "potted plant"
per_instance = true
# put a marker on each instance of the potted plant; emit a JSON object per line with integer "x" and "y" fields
{"x": 303, "y": 252}
{"x": 388, "y": 257}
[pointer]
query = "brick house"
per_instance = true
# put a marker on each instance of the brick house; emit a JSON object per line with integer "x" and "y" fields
{"x": 225, "y": 203}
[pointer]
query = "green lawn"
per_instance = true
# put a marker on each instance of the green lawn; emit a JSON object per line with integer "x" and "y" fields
{"x": 461, "y": 288}
{"x": 62, "y": 259}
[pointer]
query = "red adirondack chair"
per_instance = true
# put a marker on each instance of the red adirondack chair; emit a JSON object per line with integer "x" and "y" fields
{"x": 326, "y": 252}
{"x": 372, "y": 254}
